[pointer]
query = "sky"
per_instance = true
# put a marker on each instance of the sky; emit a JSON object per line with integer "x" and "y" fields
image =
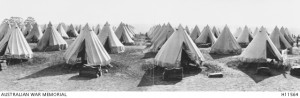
{"x": 145, "y": 13}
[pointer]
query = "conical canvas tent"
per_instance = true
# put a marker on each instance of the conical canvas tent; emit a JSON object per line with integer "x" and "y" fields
{"x": 245, "y": 37}
{"x": 155, "y": 31}
{"x": 187, "y": 30}
{"x": 97, "y": 29}
{"x": 215, "y": 32}
{"x": 87, "y": 46}
{"x": 4, "y": 28}
{"x": 162, "y": 38}
{"x": 178, "y": 48}
{"x": 64, "y": 26}
{"x": 155, "y": 36}
{"x": 226, "y": 44}
{"x": 131, "y": 30}
{"x": 287, "y": 37}
{"x": 14, "y": 45}
{"x": 255, "y": 31}
{"x": 79, "y": 29}
{"x": 128, "y": 31}
{"x": 238, "y": 32}
{"x": 195, "y": 33}
{"x": 123, "y": 35}
{"x": 110, "y": 41}
{"x": 44, "y": 28}
{"x": 278, "y": 39}
{"x": 163, "y": 32}
{"x": 51, "y": 40}
{"x": 72, "y": 32}
{"x": 62, "y": 32}
{"x": 260, "y": 49}
{"x": 206, "y": 37}
{"x": 35, "y": 34}
{"x": 28, "y": 29}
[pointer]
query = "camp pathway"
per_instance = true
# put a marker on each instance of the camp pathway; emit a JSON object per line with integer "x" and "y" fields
{"x": 233, "y": 80}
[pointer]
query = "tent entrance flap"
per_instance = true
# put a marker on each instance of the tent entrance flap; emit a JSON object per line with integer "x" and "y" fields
{"x": 250, "y": 38}
{"x": 185, "y": 57}
{"x": 107, "y": 45}
{"x": 270, "y": 52}
{"x": 208, "y": 40}
{"x": 82, "y": 52}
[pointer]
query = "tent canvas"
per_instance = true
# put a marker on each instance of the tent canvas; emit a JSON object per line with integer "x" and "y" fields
{"x": 97, "y": 29}
{"x": 245, "y": 36}
{"x": 4, "y": 28}
{"x": 215, "y": 32}
{"x": 14, "y": 45}
{"x": 110, "y": 40}
{"x": 206, "y": 37}
{"x": 87, "y": 46}
{"x": 62, "y": 32}
{"x": 35, "y": 34}
{"x": 260, "y": 49}
{"x": 255, "y": 31}
{"x": 187, "y": 30}
{"x": 28, "y": 29}
{"x": 162, "y": 38}
{"x": 51, "y": 40}
{"x": 226, "y": 44}
{"x": 278, "y": 39}
{"x": 238, "y": 32}
{"x": 287, "y": 37}
{"x": 171, "y": 53}
{"x": 72, "y": 32}
{"x": 123, "y": 34}
{"x": 195, "y": 33}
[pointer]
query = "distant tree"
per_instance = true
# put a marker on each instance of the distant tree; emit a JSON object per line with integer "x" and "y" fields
{"x": 30, "y": 20}
{"x": 18, "y": 20}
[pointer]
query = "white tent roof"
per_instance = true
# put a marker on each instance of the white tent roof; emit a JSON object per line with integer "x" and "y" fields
{"x": 72, "y": 32}
{"x": 278, "y": 39}
{"x": 89, "y": 43}
{"x": 123, "y": 34}
{"x": 195, "y": 33}
{"x": 187, "y": 30}
{"x": 15, "y": 45}
{"x": 260, "y": 48}
{"x": 206, "y": 36}
{"x": 245, "y": 36}
{"x": 107, "y": 36}
{"x": 62, "y": 32}
{"x": 51, "y": 40}
{"x": 286, "y": 35}
{"x": 35, "y": 33}
{"x": 215, "y": 32}
{"x": 255, "y": 31}
{"x": 171, "y": 52}
{"x": 238, "y": 32}
{"x": 97, "y": 29}
{"x": 4, "y": 28}
{"x": 162, "y": 38}
{"x": 28, "y": 29}
{"x": 226, "y": 44}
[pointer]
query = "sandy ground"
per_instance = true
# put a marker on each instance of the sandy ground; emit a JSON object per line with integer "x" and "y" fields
{"x": 46, "y": 72}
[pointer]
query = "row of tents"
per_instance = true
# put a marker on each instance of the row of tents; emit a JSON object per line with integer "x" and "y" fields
{"x": 89, "y": 45}
{"x": 174, "y": 45}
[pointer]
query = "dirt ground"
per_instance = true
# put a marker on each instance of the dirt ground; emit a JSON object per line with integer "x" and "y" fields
{"x": 47, "y": 71}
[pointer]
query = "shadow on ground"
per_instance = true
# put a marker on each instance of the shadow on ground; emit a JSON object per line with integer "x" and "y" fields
{"x": 149, "y": 55}
{"x": 218, "y": 56}
{"x": 251, "y": 70}
{"x": 54, "y": 70}
{"x": 154, "y": 76}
